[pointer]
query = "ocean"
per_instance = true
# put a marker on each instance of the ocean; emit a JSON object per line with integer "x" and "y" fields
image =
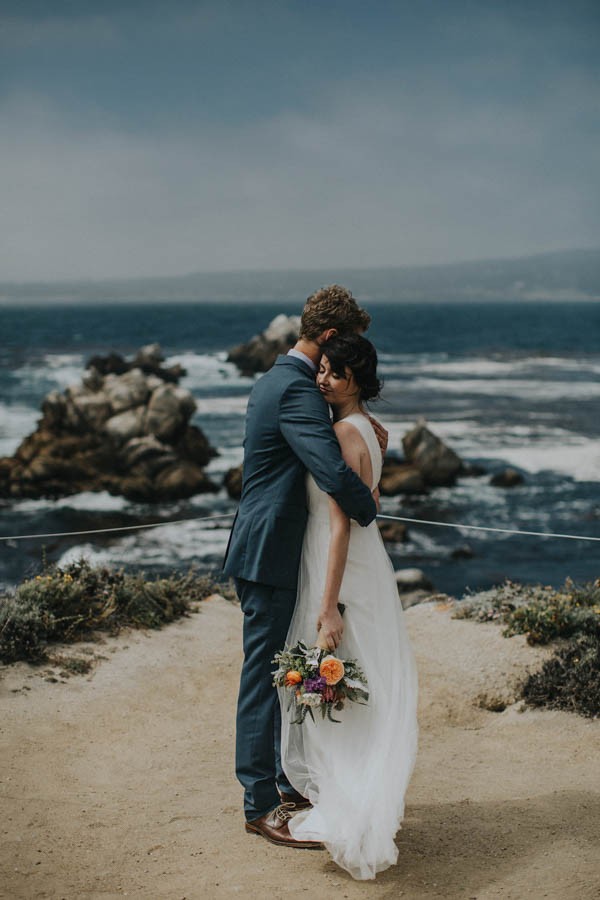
{"x": 503, "y": 384}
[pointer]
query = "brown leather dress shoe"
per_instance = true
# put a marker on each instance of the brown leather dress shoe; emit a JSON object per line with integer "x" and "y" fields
{"x": 274, "y": 827}
{"x": 297, "y": 801}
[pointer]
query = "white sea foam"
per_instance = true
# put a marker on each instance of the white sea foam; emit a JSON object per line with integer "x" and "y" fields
{"x": 221, "y": 406}
{"x": 87, "y": 501}
{"x": 227, "y": 459}
{"x": 167, "y": 545}
{"x": 205, "y": 369}
{"x": 16, "y": 421}
{"x": 581, "y": 460}
{"x": 60, "y": 369}
{"x": 534, "y": 448}
{"x": 528, "y": 389}
{"x": 402, "y": 364}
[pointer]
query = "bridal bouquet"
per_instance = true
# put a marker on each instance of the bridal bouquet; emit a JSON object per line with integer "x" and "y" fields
{"x": 317, "y": 680}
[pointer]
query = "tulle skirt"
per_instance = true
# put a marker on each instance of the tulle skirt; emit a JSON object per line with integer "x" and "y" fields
{"x": 355, "y": 773}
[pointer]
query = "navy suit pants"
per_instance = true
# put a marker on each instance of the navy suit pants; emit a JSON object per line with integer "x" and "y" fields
{"x": 267, "y": 614}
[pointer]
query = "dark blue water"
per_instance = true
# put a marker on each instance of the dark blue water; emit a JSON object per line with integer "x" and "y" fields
{"x": 503, "y": 384}
{"x": 455, "y": 328}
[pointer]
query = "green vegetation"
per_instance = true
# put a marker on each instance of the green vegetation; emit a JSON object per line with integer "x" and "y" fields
{"x": 571, "y": 678}
{"x": 71, "y": 603}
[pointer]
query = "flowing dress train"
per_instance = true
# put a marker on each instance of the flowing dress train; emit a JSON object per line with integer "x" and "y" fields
{"x": 355, "y": 773}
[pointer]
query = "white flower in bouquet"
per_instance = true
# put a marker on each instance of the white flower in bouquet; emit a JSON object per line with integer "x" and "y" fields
{"x": 309, "y": 699}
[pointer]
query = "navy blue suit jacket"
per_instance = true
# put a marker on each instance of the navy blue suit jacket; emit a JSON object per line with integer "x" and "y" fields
{"x": 288, "y": 430}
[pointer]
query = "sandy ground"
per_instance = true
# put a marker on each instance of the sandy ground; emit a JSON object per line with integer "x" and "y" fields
{"x": 120, "y": 782}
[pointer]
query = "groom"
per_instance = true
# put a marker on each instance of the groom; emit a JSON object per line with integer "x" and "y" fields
{"x": 288, "y": 431}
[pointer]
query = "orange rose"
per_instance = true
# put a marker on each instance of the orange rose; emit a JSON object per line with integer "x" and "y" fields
{"x": 332, "y": 669}
{"x": 292, "y": 678}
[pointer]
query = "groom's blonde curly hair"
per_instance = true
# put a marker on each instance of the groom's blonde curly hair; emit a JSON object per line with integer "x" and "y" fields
{"x": 332, "y": 307}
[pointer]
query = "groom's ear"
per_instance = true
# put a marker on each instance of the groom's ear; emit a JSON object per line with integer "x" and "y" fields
{"x": 331, "y": 332}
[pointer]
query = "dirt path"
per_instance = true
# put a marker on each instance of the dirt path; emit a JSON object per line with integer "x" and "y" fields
{"x": 121, "y": 783}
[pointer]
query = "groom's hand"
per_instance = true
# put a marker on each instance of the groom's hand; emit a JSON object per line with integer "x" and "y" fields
{"x": 330, "y": 626}
{"x": 381, "y": 434}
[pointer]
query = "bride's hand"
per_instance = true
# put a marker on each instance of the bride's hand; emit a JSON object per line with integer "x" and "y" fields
{"x": 330, "y": 626}
{"x": 381, "y": 435}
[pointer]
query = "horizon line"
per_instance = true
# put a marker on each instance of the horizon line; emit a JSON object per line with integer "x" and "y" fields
{"x": 80, "y": 280}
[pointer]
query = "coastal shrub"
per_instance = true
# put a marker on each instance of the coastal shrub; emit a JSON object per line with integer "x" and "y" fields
{"x": 569, "y": 680}
{"x": 540, "y": 612}
{"x": 23, "y": 628}
{"x": 71, "y": 602}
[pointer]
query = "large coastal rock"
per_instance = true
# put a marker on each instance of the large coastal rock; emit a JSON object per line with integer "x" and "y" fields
{"x": 400, "y": 478}
{"x": 261, "y": 351}
{"x": 124, "y": 429}
{"x": 233, "y": 482}
{"x": 428, "y": 462}
{"x": 437, "y": 463}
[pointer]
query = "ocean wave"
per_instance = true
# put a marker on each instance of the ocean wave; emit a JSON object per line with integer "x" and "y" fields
{"x": 227, "y": 459}
{"x": 528, "y": 389}
{"x": 580, "y": 460}
{"x": 221, "y": 406}
{"x": 58, "y": 370}
{"x": 168, "y": 545}
{"x": 208, "y": 370}
{"x": 86, "y": 501}
{"x": 486, "y": 368}
{"x": 16, "y": 421}
{"x": 535, "y": 448}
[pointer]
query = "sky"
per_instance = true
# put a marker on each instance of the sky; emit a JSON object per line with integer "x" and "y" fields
{"x": 147, "y": 138}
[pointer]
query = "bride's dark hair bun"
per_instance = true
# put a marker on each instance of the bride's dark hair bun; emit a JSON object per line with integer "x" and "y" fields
{"x": 360, "y": 356}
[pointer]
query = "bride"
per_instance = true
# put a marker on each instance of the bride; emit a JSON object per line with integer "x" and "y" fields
{"x": 355, "y": 774}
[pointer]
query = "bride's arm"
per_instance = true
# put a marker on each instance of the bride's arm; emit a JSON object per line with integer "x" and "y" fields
{"x": 330, "y": 624}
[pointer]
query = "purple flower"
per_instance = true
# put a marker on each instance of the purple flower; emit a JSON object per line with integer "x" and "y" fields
{"x": 315, "y": 685}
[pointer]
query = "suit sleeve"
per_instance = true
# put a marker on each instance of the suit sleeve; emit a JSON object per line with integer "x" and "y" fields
{"x": 305, "y": 425}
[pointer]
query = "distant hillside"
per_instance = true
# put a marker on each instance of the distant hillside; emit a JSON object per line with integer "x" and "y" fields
{"x": 563, "y": 275}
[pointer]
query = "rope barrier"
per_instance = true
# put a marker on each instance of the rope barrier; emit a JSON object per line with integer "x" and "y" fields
{"x": 23, "y": 537}
{"x": 572, "y": 537}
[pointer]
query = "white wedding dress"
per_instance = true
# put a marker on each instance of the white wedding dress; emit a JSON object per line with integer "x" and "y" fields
{"x": 355, "y": 773}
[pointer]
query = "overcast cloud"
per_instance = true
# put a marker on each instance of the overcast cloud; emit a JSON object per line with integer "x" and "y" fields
{"x": 272, "y": 135}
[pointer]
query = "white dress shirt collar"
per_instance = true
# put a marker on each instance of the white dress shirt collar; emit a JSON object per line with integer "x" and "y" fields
{"x": 300, "y": 355}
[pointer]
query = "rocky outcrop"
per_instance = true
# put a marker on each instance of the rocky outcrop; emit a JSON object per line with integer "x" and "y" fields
{"x": 428, "y": 462}
{"x": 124, "y": 429}
{"x": 413, "y": 587}
{"x": 464, "y": 551}
{"x": 437, "y": 463}
{"x": 261, "y": 351}
{"x": 412, "y": 580}
{"x": 400, "y": 478}
{"x": 233, "y": 482}
{"x": 507, "y": 478}
{"x": 393, "y": 532}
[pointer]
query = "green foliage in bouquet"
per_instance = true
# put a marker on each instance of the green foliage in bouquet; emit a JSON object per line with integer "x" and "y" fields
{"x": 317, "y": 680}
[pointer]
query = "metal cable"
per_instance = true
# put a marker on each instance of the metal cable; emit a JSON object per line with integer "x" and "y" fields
{"x": 23, "y": 537}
